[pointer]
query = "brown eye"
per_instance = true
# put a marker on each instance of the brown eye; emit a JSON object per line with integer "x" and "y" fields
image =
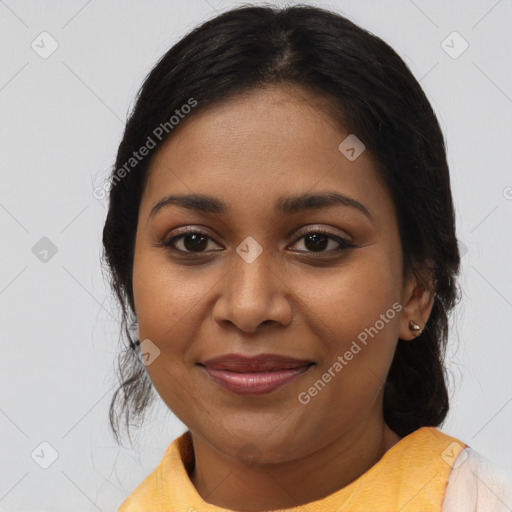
{"x": 316, "y": 241}
{"x": 192, "y": 241}
{"x": 195, "y": 242}
{"x": 319, "y": 241}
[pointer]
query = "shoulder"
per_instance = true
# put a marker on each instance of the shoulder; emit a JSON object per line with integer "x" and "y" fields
{"x": 169, "y": 480}
{"x": 477, "y": 485}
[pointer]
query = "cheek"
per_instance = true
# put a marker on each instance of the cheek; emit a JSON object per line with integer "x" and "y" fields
{"x": 165, "y": 305}
{"x": 354, "y": 313}
{"x": 356, "y": 318}
{"x": 352, "y": 297}
{"x": 172, "y": 308}
{"x": 157, "y": 304}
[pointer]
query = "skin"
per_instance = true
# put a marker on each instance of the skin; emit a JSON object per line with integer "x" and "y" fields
{"x": 292, "y": 300}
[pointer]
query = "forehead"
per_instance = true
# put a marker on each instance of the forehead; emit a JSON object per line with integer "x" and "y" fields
{"x": 259, "y": 121}
{"x": 263, "y": 144}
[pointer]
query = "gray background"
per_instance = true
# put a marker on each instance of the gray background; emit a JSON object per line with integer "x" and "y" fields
{"x": 61, "y": 122}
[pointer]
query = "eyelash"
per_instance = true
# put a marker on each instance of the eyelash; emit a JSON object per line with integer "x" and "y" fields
{"x": 344, "y": 243}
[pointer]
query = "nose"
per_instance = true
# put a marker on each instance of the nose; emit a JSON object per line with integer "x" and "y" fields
{"x": 253, "y": 293}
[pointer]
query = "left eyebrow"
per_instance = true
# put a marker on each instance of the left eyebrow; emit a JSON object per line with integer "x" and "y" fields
{"x": 285, "y": 205}
{"x": 307, "y": 202}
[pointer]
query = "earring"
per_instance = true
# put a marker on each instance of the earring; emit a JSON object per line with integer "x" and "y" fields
{"x": 415, "y": 327}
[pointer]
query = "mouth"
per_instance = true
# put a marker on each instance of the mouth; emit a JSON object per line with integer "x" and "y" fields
{"x": 254, "y": 375}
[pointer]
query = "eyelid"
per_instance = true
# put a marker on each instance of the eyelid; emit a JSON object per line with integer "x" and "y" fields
{"x": 313, "y": 228}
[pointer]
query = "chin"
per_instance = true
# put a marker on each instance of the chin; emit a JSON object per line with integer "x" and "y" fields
{"x": 252, "y": 444}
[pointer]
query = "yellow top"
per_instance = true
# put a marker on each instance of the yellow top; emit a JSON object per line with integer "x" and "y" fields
{"x": 411, "y": 476}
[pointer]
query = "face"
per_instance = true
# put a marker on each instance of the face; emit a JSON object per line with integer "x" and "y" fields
{"x": 316, "y": 280}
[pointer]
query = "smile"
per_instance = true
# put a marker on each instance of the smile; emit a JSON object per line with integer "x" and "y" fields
{"x": 255, "y": 383}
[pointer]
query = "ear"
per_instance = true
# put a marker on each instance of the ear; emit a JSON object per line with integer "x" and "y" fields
{"x": 417, "y": 299}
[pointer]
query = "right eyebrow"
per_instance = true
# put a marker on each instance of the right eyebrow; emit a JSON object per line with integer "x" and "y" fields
{"x": 198, "y": 202}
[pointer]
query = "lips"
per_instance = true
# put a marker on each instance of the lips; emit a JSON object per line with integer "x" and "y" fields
{"x": 254, "y": 375}
{"x": 260, "y": 363}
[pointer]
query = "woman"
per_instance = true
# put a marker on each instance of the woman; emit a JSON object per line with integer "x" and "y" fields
{"x": 281, "y": 237}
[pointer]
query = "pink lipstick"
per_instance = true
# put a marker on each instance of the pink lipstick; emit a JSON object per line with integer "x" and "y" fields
{"x": 254, "y": 375}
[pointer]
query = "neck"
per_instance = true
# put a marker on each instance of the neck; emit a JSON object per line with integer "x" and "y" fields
{"x": 226, "y": 482}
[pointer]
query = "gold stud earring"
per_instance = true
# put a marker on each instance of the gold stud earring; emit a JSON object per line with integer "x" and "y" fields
{"x": 415, "y": 327}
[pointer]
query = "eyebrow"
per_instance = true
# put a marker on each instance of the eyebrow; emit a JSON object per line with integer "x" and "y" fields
{"x": 284, "y": 205}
